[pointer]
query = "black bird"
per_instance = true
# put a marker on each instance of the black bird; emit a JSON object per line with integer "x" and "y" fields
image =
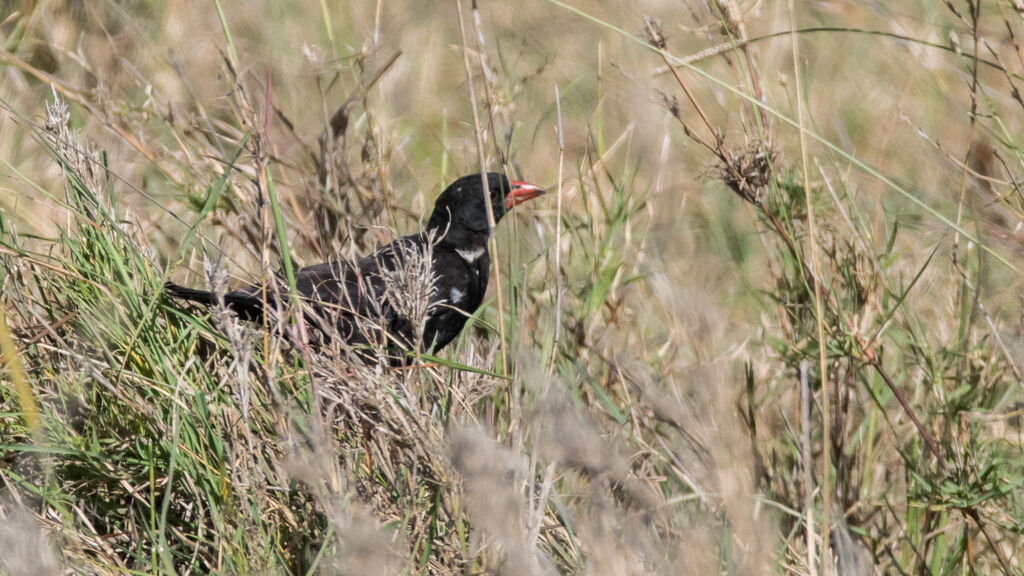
{"x": 386, "y": 289}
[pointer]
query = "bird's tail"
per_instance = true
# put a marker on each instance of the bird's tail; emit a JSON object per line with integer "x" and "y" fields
{"x": 204, "y": 297}
{"x": 243, "y": 303}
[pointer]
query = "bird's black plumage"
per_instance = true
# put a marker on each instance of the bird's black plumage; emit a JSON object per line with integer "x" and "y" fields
{"x": 377, "y": 298}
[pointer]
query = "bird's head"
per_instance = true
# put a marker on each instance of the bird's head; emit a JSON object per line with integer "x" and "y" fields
{"x": 460, "y": 209}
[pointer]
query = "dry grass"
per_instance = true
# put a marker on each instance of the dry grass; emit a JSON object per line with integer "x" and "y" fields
{"x": 666, "y": 318}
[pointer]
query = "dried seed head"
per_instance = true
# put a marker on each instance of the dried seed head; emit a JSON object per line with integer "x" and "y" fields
{"x": 26, "y": 548}
{"x": 411, "y": 286}
{"x": 732, "y": 24}
{"x": 748, "y": 172}
{"x": 81, "y": 160}
{"x": 652, "y": 26}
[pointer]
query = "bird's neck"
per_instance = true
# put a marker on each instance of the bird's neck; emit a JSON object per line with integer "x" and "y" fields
{"x": 470, "y": 244}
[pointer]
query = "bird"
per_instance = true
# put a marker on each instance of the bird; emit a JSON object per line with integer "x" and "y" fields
{"x": 387, "y": 298}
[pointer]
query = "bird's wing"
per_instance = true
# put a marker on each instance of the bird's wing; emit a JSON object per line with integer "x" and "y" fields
{"x": 323, "y": 282}
{"x": 354, "y": 296}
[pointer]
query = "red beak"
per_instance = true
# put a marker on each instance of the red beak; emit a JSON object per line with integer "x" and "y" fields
{"x": 521, "y": 192}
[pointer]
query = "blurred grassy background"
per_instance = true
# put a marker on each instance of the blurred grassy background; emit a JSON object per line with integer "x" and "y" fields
{"x": 677, "y": 425}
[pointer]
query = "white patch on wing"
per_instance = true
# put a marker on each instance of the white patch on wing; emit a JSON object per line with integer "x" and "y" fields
{"x": 456, "y": 296}
{"x": 471, "y": 255}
